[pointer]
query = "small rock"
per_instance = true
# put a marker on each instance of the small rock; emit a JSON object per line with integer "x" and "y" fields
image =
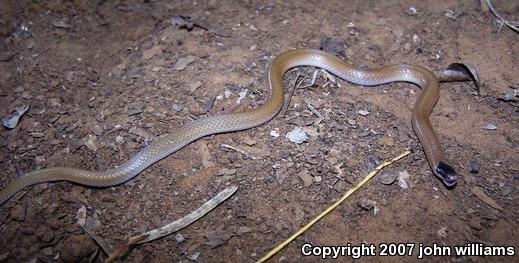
{"x": 274, "y": 133}
{"x": 227, "y": 93}
{"x": 402, "y": 177}
{"x": 473, "y": 166}
{"x": 195, "y": 256}
{"x": 388, "y": 178}
{"x": 306, "y": 178}
{"x": 339, "y": 186}
{"x": 386, "y": 141}
{"x": 363, "y": 112}
{"x": 351, "y": 122}
{"x": 509, "y": 95}
{"x": 195, "y": 85}
{"x": 411, "y": 11}
{"x": 149, "y": 53}
{"x": 179, "y": 238}
{"x": 97, "y": 129}
{"x": 366, "y": 204}
{"x": 206, "y": 155}
{"x": 250, "y": 142}
{"x": 12, "y": 121}
{"x": 442, "y": 232}
{"x": 241, "y": 96}
{"x": 91, "y": 143}
{"x": 176, "y": 107}
{"x": 47, "y": 251}
{"x": 318, "y": 179}
{"x": 244, "y": 230}
{"x": 490, "y": 127}
{"x": 60, "y": 24}
{"x": 226, "y": 171}
{"x": 209, "y": 102}
{"x": 451, "y": 14}
{"x": 297, "y": 135}
{"x": 182, "y": 63}
{"x": 81, "y": 216}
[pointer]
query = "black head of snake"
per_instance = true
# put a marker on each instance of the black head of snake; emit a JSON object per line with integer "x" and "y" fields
{"x": 446, "y": 174}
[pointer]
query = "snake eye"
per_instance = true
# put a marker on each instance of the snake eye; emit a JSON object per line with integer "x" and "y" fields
{"x": 446, "y": 173}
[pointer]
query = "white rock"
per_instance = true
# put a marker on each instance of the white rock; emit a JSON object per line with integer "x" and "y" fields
{"x": 297, "y": 135}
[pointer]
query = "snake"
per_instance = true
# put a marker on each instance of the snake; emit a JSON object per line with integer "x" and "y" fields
{"x": 235, "y": 121}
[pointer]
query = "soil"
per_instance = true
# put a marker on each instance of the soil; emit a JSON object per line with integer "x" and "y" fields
{"x": 104, "y": 78}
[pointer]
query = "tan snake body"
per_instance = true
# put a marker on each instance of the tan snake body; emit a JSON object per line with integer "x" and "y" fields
{"x": 190, "y": 132}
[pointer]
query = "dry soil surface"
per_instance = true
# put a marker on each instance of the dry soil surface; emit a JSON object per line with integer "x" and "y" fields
{"x": 104, "y": 78}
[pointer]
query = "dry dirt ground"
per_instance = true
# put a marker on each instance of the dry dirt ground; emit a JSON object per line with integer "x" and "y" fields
{"x": 104, "y": 78}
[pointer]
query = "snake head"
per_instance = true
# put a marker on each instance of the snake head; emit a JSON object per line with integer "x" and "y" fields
{"x": 446, "y": 173}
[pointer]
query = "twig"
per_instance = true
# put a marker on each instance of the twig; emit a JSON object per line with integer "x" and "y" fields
{"x": 297, "y": 82}
{"x": 250, "y": 155}
{"x": 331, "y": 208}
{"x": 172, "y": 227}
{"x": 513, "y": 25}
{"x": 312, "y": 109}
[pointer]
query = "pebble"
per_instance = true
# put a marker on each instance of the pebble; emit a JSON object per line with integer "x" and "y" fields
{"x": 411, "y": 11}
{"x": 182, "y": 63}
{"x": 176, "y": 107}
{"x": 451, "y": 14}
{"x": 195, "y": 256}
{"x": 388, "y": 178}
{"x": 340, "y": 186}
{"x": 366, "y": 204}
{"x": 473, "y": 166}
{"x": 442, "y": 232}
{"x": 195, "y": 85}
{"x": 91, "y": 143}
{"x": 47, "y": 251}
{"x": 241, "y": 96}
{"x": 250, "y": 142}
{"x": 490, "y": 127}
{"x": 226, "y": 171}
{"x": 402, "y": 177}
{"x": 179, "y": 238}
{"x": 386, "y": 141}
{"x": 297, "y": 135}
{"x": 363, "y": 112}
{"x": 97, "y": 129}
{"x": 511, "y": 95}
{"x": 306, "y": 178}
{"x": 274, "y": 133}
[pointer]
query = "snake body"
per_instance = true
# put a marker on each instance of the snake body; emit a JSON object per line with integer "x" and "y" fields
{"x": 214, "y": 124}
